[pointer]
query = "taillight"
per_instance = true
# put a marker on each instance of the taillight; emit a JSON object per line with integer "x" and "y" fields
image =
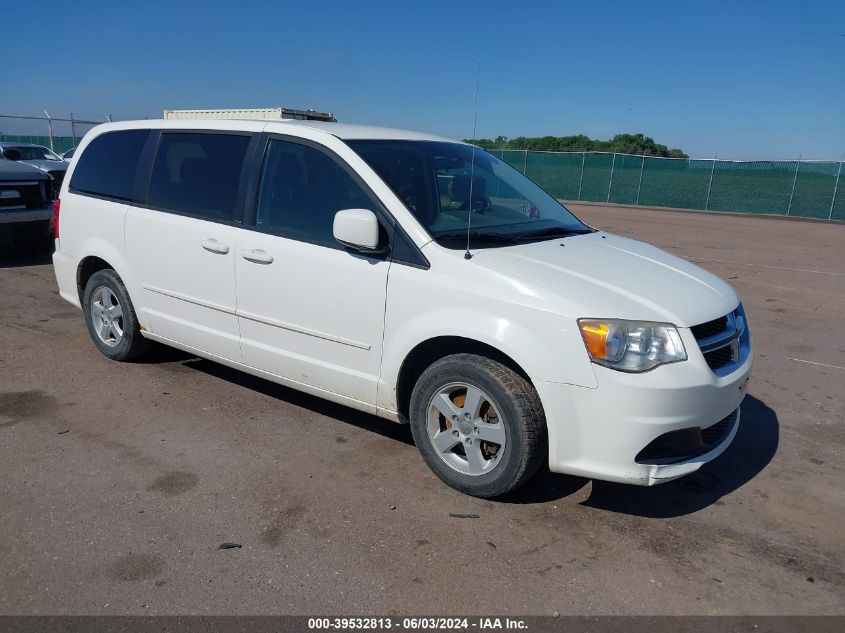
{"x": 57, "y": 205}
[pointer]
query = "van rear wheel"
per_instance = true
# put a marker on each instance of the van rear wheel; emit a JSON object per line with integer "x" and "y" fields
{"x": 111, "y": 318}
{"x": 478, "y": 424}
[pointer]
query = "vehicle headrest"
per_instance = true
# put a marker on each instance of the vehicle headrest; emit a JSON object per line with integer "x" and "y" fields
{"x": 459, "y": 188}
{"x": 193, "y": 170}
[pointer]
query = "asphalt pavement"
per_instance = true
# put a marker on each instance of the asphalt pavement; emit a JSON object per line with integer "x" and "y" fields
{"x": 120, "y": 482}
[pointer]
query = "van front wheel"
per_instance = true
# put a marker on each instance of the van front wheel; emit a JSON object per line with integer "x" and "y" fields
{"x": 478, "y": 424}
{"x": 110, "y": 317}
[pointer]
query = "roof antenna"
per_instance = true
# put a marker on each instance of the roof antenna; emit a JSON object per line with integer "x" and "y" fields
{"x": 468, "y": 255}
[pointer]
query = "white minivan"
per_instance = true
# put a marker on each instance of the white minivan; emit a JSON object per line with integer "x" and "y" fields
{"x": 417, "y": 278}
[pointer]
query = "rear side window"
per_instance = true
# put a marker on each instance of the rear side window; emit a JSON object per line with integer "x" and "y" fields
{"x": 109, "y": 164}
{"x": 199, "y": 174}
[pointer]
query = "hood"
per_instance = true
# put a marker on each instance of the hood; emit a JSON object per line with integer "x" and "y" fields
{"x": 15, "y": 170}
{"x": 46, "y": 165}
{"x": 616, "y": 277}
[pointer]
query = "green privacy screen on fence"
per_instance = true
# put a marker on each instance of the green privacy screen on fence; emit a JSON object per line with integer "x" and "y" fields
{"x": 812, "y": 189}
{"x": 61, "y": 144}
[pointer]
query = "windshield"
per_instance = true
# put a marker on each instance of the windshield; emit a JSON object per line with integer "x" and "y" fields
{"x": 32, "y": 153}
{"x": 434, "y": 180}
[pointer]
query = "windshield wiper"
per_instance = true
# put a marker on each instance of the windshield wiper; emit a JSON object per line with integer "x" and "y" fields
{"x": 484, "y": 237}
{"x": 552, "y": 231}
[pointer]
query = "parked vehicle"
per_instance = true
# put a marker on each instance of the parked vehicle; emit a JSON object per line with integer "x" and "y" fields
{"x": 410, "y": 276}
{"x": 37, "y": 156}
{"x": 68, "y": 154}
{"x": 25, "y": 194}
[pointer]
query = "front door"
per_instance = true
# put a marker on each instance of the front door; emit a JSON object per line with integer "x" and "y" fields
{"x": 308, "y": 309}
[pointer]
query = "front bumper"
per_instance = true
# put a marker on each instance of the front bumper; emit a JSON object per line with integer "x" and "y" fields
{"x": 599, "y": 433}
{"x": 25, "y": 216}
{"x": 658, "y": 473}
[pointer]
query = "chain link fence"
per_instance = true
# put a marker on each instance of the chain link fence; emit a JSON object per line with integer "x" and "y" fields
{"x": 802, "y": 188}
{"x": 58, "y": 133}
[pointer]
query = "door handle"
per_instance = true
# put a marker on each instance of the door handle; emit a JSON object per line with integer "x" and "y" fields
{"x": 213, "y": 246}
{"x": 257, "y": 256}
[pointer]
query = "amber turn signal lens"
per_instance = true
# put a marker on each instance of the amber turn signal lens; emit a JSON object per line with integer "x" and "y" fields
{"x": 595, "y": 336}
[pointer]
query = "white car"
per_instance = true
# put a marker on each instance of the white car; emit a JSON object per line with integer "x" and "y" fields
{"x": 417, "y": 278}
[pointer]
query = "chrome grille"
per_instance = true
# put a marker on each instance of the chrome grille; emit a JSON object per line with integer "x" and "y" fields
{"x": 711, "y": 328}
{"x": 723, "y": 341}
{"x": 21, "y": 195}
{"x": 719, "y": 358}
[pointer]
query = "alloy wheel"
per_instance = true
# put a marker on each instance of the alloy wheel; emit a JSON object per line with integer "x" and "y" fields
{"x": 466, "y": 429}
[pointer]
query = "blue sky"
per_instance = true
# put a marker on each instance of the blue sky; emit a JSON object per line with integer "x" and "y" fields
{"x": 744, "y": 79}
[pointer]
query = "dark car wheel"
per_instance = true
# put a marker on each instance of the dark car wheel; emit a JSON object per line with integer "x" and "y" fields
{"x": 111, "y": 319}
{"x": 478, "y": 424}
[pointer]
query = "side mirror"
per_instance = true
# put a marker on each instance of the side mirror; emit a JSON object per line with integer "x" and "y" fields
{"x": 12, "y": 154}
{"x": 357, "y": 229}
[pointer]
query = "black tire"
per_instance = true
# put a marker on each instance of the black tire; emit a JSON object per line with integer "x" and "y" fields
{"x": 521, "y": 412}
{"x": 131, "y": 344}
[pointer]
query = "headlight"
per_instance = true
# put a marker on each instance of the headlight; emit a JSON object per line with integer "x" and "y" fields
{"x": 631, "y": 346}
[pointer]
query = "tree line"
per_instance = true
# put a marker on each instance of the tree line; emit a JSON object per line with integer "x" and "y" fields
{"x": 621, "y": 143}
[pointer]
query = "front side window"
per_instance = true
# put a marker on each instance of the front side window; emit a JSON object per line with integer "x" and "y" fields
{"x": 452, "y": 187}
{"x": 301, "y": 190}
{"x": 199, "y": 174}
{"x": 109, "y": 165}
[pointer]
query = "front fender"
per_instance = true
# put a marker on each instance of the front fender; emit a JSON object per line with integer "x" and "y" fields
{"x": 546, "y": 345}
